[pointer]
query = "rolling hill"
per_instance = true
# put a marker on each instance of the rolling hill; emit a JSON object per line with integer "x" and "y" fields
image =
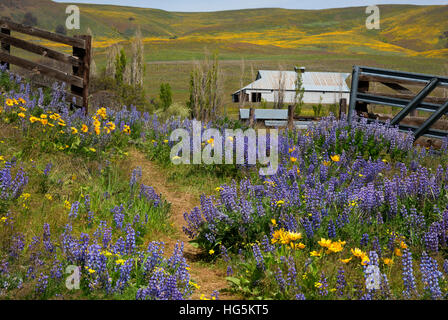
{"x": 406, "y": 30}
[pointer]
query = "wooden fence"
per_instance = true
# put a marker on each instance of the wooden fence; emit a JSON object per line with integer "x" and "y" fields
{"x": 78, "y": 79}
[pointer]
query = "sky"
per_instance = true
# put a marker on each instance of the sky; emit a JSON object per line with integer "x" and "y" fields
{"x": 218, "y": 5}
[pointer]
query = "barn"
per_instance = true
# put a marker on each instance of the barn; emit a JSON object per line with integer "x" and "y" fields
{"x": 324, "y": 87}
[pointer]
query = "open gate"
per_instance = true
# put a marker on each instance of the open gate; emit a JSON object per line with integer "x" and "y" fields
{"x": 404, "y": 98}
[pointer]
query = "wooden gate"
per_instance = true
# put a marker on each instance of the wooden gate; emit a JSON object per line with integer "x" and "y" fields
{"x": 79, "y": 60}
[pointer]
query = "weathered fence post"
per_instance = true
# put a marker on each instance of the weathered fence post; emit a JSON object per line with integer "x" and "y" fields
{"x": 83, "y": 71}
{"x": 290, "y": 117}
{"x": 5, "y": 47}
{"x": 342, "y": 107}
{"x": 251, "y": 116}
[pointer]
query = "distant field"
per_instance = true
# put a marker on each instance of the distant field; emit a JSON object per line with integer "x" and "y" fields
{"x": 411, "y": 38}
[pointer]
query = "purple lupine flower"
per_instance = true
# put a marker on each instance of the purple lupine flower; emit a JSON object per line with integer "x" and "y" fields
{"x": 48, "y": 169}
{"x": 341, "y": 282}
{"x": 74, "y": 210}
{"x": 430, "y": 276}
{"x": 42, "y": 284}
{"x": 410, "y": 287}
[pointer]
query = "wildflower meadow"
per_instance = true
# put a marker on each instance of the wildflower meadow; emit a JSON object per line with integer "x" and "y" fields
{"x": 353, "y": 212}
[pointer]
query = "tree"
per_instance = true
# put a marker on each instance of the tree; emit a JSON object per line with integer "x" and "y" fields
{"x": 166, "y": 97}
{"x": 61, "y": 29}
{"x": 120, "y": 66}
{"x": 206, "y": 89}
{"x": 137, "y": 63}
{"x": 298, "y": 95}
{"x": 279, "y": 95}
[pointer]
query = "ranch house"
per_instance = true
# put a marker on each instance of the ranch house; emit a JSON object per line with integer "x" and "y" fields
{"x": 324, "y": 87}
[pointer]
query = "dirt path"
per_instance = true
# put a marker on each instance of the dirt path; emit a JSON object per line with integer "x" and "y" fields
{"x": 209, "y": 278}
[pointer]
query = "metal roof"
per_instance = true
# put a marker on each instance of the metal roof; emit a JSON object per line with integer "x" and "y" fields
{"x": 266, "y": 114}
{"x": 311, "y": 81}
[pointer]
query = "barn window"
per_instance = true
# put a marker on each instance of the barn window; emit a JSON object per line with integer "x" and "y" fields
{"x": 256, "y": 97}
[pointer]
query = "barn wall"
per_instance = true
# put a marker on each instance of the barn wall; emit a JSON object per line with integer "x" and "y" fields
{"x": 308, "y": 97}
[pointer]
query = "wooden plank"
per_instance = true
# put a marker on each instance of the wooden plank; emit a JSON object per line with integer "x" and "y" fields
{"x": 32, "y": 31}
{"x": 83, "y": 71}
{"x": 59, "y": 75}
{"x": 397, "y": 87}
{"x": 4, "y": 46}
{"x": 40, "y": 50}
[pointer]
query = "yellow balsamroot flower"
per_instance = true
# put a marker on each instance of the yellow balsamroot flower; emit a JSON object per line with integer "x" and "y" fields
{"x": 291, "y": 150}
{"x": 22, "y": 101}
{"x": 210, "y": 141}
{"x": 107, "y": 253}
{"x": 211, "y": 252}
{"x": 61, "y": 123}
{"x": 202, "y": 297}
{"x": 120, "y": 261}
{"x": 219, "y": 189}
{"x": 9, "y": 102}
{"x": 67, "y": 205}
{"x": 315, "y": 254}
{"x": 388, "y": 261}
{"x": 44, "y": 122}
{"x": 102, "y": 112}
{"x": 336, "y": 247}
{"x": 84, "y": 128}
{"x": 346, "y": 260}
{"x": 43, "y": 116}
{"x": 398, "y": 252}
{"x": 324, "y": 242}
{"x": 300, "y": 246}
{"x": 110, "y": 126}
{"x": 298, "y": 171}
{"x": 96, "y": 123}
{"x": 22, "y": 109}
{"x": 318, "y": 285}
{"x": 92, "y": 149}
{"x": 127, "y": 130}
{"x": 195, "y": 285}
{"x": 294, "y": 236}
{"x": 280, "y": 236}
{"x": 91, "y": 271}
{"x": 336, "y": 158}
{"x": 293, "y": 159}
{"x": 2, "y": 158}
{"x": 97, "y": 130}
{"x": 357, "y": 252}
{"x": 49, "y": 197}
{"x": 74, "y": 130}
{"x": 365, "y": 260}
{"x": 34, "y": 119}
{"x": 326, "y": 163}
{"x": 21, "y": 115}
{"x": 403, "y": 245}
{"x": 274, "y": 222}
{"x": 280, "y": 202}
